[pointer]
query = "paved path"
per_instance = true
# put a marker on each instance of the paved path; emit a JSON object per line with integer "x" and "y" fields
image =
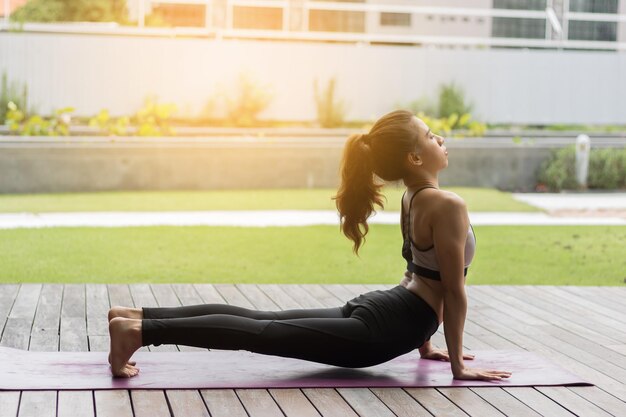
{"x": 574, "y": 201}
{"x": 267, "y": 218}
{"x": 562, "y": 209}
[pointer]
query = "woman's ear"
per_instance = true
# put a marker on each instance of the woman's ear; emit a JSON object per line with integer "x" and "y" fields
{"x": 414, "y": 159}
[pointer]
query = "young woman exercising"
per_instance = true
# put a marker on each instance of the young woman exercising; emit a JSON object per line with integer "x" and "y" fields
{"x": 376, "y": 326}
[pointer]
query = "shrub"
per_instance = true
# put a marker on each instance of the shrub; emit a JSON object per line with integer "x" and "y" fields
{"x": 250, "y": 99}
{"x": 452, "y": 101}
{"x": 10, "y": 93}
{"x": 330, "y": 110}
{"x": 109, "y": 125}
{"x": 153, "y": 118}
{"x": 607, "y": 169}
{"x": 36, "y": 125}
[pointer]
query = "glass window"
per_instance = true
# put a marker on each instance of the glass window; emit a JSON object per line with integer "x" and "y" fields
{"x": 269, "y": 18}
{"x": 593, "y": 6}
{"x": 592, "y": 31}
{"x": 513, "y": 27}
{"x": 336, "y": 21}
{"x": 395, "y": 19}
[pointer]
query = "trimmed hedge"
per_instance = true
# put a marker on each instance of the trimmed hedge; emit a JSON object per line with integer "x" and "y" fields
{"x": 607, "y": 170}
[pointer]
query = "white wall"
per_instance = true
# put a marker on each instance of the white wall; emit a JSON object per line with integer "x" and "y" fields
{"x": 92, "y": 72}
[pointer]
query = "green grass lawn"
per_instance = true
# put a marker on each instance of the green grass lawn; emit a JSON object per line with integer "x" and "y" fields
{"x": 555, "y": 255}
{"x": 478, "y": 199}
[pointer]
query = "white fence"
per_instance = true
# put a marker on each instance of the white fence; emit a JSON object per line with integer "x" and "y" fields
{"x": 92, "y": 72}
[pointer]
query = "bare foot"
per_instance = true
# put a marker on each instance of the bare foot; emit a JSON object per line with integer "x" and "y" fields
{"x": 127, "y": 312}
{"x": 125, "y": 340}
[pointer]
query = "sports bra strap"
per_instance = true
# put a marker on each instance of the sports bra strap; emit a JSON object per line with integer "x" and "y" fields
{"x": 407, "y": 232}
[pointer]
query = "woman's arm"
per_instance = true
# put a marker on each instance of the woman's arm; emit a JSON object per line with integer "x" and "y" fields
{"x": 450, "y": 225}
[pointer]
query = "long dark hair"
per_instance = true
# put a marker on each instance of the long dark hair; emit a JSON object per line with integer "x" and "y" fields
{"x": 381, "y": 153}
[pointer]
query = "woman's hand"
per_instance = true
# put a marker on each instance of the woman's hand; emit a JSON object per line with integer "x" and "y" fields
{"x": 484, "y": 374}
{"x": 441, "y": 354}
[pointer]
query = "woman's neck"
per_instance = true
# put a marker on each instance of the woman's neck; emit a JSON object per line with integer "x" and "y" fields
{"x": 421, "y": 182}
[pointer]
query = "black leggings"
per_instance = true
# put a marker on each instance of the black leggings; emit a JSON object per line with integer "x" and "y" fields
{"x": 369, "y": 329}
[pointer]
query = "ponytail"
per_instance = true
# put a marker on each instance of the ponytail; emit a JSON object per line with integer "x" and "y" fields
{"x": 358, "y": 191}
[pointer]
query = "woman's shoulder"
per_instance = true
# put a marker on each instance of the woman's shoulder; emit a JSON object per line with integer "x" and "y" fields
{"x": 449, "y": 200}
{"x": 447, "y": 206}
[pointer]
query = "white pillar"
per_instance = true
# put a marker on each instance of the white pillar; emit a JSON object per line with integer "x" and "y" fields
{"x": 583, "y": 148}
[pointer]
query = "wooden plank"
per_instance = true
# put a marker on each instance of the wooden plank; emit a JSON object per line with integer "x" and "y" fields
{"x": 19, "y": 323}
{"x": 97, "y": 308}
{"x": 187, "y": 403}
{"x": 232, "y": 295}
{"x": 209, "y": 293}
{"x": 258, "y": 403}
{"x": 45, "y": 331}
{"x": 504, "y": 402}
{"x": 165, "y": 295}
{"x": 73, "y": 336}
{"x": 293, "y": 402}
{"x": 75, "y": 404}
{"x": 149, "y": 403}
{"x": 364, "y": 402}
{"x": 113, "y": 403}
{"x": 187, "y": 294}
{"x": 435, "y": 402}
{"x": 223, "y": 403}
{"x": 38, "y": 404}
{"x": 328, "y": 402}
{"x": 400, "y": 403}
{"x": 8, "y": 294}
{"x": 9, "y": 403}
{"x": 257, "y": 297}
{"x": 472, "y": 403}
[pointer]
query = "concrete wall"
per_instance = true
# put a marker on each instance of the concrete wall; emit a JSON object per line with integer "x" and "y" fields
{"x": 93, "y": 72}
{"x": 130, "y": 164}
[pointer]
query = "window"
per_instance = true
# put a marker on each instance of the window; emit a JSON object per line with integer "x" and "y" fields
{"x": 589, "y": 30}
{"x": 593, "y": 6}
{"x": 269, "y": 18}
{"x": 514, "y": 27}
{"x": 184, "y": 15}
{"x": 336, "y": 21}
{"x": 395, "y": 19}
{"x": 592, "y": 31}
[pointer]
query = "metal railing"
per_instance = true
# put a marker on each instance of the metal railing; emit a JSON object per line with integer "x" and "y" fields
{"x": 304, "y": 7}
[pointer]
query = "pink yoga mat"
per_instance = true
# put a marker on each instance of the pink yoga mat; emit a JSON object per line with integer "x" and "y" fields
{"x": 24, "y": 370}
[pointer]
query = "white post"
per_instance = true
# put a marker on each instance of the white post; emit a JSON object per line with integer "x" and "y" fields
{"x": 583, "y": 147}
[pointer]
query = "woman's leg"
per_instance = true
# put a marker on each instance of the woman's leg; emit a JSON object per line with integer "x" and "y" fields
{"x": 206, "y": 309}
{"x": 216, "y": 308}
{"x": 335, "y": 341}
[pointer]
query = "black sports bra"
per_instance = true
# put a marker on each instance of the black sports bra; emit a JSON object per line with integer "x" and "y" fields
{"x": 424, "y": 262}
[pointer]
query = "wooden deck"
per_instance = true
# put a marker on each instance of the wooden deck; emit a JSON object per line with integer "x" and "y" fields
{"x": 580, "y": 328}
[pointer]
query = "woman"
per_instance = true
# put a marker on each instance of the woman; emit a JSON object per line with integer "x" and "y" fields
{"x": 373, "y": 327}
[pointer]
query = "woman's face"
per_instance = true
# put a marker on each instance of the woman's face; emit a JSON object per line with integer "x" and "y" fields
{"x": 431, "y": 150}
